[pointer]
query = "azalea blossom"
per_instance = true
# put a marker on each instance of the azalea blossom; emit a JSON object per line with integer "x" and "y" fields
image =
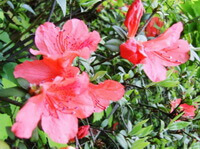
{"x": 82, "y": 132}
{"x": 189, "y": 110}
{"x": 151, "y": 30}
{"x": 74, "y": 37}
{"x": 65, "y": 95}
{"x": 155, "y": 54}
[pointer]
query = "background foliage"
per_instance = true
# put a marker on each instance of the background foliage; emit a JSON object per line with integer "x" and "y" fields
{"x": 142, "y": 119}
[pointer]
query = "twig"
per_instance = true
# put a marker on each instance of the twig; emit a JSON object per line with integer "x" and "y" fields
{"x": 52, "y": 10}
{"x": 90, "y": 130}
{"x": 11, "y": 101}
{"x": 108, "y": 59}
{"x": 148, "y": 20}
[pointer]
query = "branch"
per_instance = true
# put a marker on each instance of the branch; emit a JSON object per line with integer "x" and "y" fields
{"x": 52, "y": 10}
{"x": 81, "y": 14}
{"x": 11, "y": 101}
{"x": 108, "y": 59}
{"x": 148, "y": 20}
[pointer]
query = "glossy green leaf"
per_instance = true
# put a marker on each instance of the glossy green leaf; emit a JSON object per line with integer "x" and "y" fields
{"x": 178, "y": 125}
{"x": 62, "y": 4}
{"x": 123, "y": 143}
{"x": 140, "y": 144}
{"x": 14, "y": 91}
{"x": 5, "y": 122}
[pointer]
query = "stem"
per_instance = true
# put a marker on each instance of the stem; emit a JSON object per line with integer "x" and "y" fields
{"x": 107, "y": 59}
{"x": 52, "y": 10}
{"x": 11, "y": 101}
{"x": 148, "y": 20}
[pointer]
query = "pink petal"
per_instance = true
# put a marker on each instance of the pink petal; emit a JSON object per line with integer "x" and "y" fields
{"x": 175, "y": 103}
{"x": 60, "y": 129}
{"x": 79, "y": 39}
{"x": 167, "y": 39}
{"x": 45, "y": 40}
{"x": 28, "y": 117}
{"x": 104, "y": 92}
{"x": 38, "y": 71}
{"x": 70, "y": 96}
{"x": 133, "y": 17}
{"x": 75, "y": 28}
{"x": 132, "y": 51}
{"x": 176, "y": 54}
{"x": 153, "y": 69}
{"x": 189, "y": 110}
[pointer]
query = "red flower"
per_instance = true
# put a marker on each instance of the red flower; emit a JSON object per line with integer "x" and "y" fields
{"x": 73, "y": 38}
{"x": 83, "y": 131}
{"x": 151, "y": 30}
{"x": 156, "y": 54}
{"x": 65, "y": 96}
{"x": 133, "y": 17}
{"x": 189, "y": 111}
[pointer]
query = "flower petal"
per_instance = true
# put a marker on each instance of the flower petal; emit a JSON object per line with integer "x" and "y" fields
{"x": 45, "y": 40}
{"x": 75, "y": 28}
{"x": 133, "y": 17}
{"x": 70, "y": 95}
{"x": 153, "y": 69}
{"x": 79, "y": 39}
{"x": 104, "y": 92}
{"x": 60, "y": 129}
{"x": 132, "y": 51}
{"x": 38, "y": 71}
{"x": 189, "y": 110}
{"x": 28, "y": 117}
{"x": 167, "y": 39}
{"x": 176, "y": 54}
{"x": 151, "y": 30}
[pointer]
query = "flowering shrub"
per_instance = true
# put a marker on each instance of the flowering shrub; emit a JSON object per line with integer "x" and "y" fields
{"x": 99, "y": 74}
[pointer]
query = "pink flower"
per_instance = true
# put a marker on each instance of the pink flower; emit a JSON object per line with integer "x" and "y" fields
{"x": 189, "y": 111}
{"x": 73, "y": 38}
{"x": 64, "y": 96}
{"x": 151, "y": 30}
{"x": 156, "y": 54}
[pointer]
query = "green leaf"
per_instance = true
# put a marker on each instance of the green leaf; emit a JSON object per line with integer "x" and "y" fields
{"x": 176, "y": 117}
{"x": 113, "y": 45}
{"x": 5, "y": 122}
{"x": 137, "y": 127}
{"x": 140, "y": 144}
{"x": 8, "y": 72}
{"x": 14, "y": 91}
{"x": 4, "y": 36}
{"x": 7, "y": 83}
{"x": 195, "y": 145}
{"x": 178, "y": 125}
{"x": 23, "y": 83}
{"x": 144, "y": 131}
{"x": 62, "y": 4}
{"x": 104, "y": 123}
{"x": 168, "y": 83}
{"x": 4, "y": 145}
{"x": 28, "y": 7}
{"x": 120, "y": 138}
{"x": 98, "y": 75}
{"x": 97, "y": 116}
{"x": 120, "y": 31}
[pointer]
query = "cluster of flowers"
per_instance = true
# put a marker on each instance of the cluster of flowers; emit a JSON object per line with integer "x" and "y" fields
{"x": 61, "y": 93}
{"x": 165, "y": 50}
